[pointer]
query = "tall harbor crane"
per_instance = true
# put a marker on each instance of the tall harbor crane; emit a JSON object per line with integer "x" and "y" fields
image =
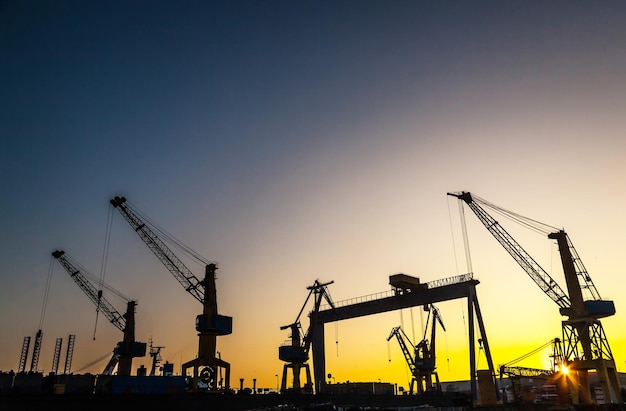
{"x": 296, "y": 354}
{"x": 422, "y": 362}
{"x": 209, "y": 324}
{"x": 128, "y": 348}
{"x": 585, "y": 346}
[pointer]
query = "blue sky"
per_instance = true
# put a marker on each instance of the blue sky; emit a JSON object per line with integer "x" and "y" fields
{"x": 291, "y": 141}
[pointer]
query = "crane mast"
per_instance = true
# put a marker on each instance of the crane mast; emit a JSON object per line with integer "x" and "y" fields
{"x": 36, "y": 351}
{"x": 585, "y": 344}
{"x": 126, "y": 349}
{"x": 24, "y": 354}
{"x": 209, "y": 324}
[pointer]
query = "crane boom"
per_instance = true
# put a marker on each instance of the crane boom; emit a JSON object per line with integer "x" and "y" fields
{"x": 178, "y": 269}
{"x": 94, "y": 294}
{"x": 402, "y": 338}
{"x": 532, "y": 268}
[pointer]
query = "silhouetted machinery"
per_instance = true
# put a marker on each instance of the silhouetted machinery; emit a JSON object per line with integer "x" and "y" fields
{"x": 585, "y": 346}
{"x": 36, "y": 352}
{"x": 128, "y": 348}
{"x": 209, "y": 324}
{"x": 422, "y": 362}
{"x": 296, "y": 354}
{"x": 155, "y": 353}
{"x": 515, "y": 373}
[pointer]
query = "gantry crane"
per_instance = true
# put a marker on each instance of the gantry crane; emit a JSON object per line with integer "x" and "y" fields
{"x": 209, "y": 324}
{"x": 128, "y": 348}
{"x": 585, "y": 344}
{"x": 422, "y": 362}
{"x": 296, "y": 354}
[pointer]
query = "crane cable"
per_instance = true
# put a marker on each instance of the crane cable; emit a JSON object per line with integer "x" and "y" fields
{"x": 413, "y": 323}
{"x": 169, "y": 237}
{"x": 523, "y": 357}
{"x": 337, "y": 337}
{"x": 455, "y": 258}
{"x": 103, "y": 264}
{"x": 105, "y": 251}
{"x": 468, "y": 258}
{"x": 46, "y": 293}
{"x": 533, "y": 225}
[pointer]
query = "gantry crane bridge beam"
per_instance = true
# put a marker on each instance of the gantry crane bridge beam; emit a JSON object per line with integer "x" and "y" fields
{"x": 397, "y": 302}
{"x": 451, "y": 290}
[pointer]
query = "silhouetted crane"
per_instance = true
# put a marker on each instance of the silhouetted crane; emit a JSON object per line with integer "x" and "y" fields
{"x": 585, "y": 344}
{"x": 209, "y": 324}
{"x": 296, "y": 354}
{"x": 128, "y": 348}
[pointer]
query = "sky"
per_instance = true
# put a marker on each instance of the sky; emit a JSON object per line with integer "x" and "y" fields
{"x": 294, "y": 141}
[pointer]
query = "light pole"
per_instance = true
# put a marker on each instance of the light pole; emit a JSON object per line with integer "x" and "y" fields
{"x": 276, "y": 375}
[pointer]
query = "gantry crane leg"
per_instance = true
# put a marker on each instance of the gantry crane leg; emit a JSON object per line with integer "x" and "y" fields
{"x": 296, "y": 368}
{"x": 283, "y": 383}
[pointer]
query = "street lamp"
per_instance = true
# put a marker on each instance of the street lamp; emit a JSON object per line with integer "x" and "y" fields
{"x": 276, "y": 375}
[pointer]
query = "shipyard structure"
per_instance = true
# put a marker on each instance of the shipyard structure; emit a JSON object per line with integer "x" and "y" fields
{"x": 583, "y": 373}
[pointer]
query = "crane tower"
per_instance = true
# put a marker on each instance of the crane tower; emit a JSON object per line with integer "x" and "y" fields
{"x": 585, "y": 344}
{"x": 209, "y": 324}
